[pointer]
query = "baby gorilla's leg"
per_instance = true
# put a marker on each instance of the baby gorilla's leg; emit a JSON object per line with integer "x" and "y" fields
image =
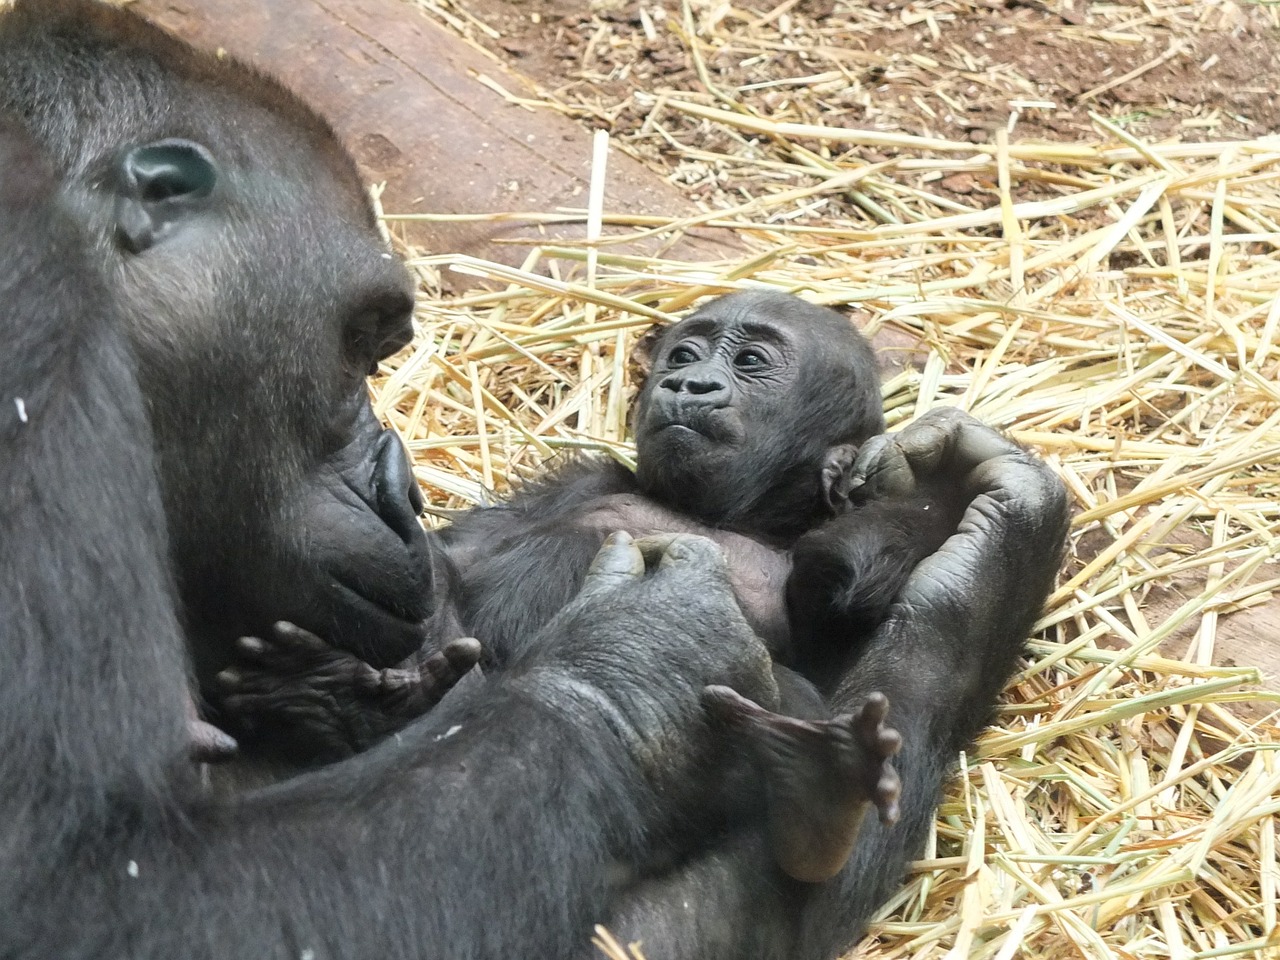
{"x": 819, "y": 777}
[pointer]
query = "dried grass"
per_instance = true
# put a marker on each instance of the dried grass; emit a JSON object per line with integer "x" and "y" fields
{"x": 1109, "y": 301}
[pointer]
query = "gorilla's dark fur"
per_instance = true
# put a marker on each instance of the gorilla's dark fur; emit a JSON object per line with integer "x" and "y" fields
{"x": 254, "y": 309}
{"x": 191, "y": 291}
{"x": 746, "y": 428}
{"x": 423, "y": 848}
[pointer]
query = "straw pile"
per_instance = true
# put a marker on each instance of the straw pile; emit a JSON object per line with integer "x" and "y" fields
{"x": 1110, "y": 300}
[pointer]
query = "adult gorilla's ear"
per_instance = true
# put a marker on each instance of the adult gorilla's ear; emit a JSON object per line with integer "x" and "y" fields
{"x": 642, "y": 353}
{"x": 159, "y": 185}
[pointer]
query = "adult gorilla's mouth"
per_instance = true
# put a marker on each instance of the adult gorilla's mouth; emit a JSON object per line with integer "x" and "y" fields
{"x": 377, "y": 629}
{"x": 358, "y": 597}
{"x": 363, "y": 572}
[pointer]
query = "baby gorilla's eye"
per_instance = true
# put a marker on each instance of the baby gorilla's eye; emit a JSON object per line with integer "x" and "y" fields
{"x": 750, "y": 359}
{"x": 681, "y": 355}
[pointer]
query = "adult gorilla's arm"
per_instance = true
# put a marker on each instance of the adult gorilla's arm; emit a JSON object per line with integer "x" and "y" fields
{"x": 498, "y": 826}
{"x": 942, "y": 657}
{"x": 950, "y": 643}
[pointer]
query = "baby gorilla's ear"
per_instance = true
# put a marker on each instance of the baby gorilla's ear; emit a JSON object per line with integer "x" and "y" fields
{"x": 642, "y": 353}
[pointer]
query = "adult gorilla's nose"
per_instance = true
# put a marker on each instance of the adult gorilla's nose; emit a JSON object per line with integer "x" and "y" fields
{"x": 397, "y": 497}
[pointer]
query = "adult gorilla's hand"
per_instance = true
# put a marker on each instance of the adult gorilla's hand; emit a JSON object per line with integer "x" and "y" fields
{"x": 952, "y": 635}
{"x": 642, "y": 640}
{"x": 951, "y": 638}
{"x": 996, "y": 568}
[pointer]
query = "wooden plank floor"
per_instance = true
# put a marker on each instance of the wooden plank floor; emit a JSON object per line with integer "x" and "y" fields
{"x": 405, "y": 95}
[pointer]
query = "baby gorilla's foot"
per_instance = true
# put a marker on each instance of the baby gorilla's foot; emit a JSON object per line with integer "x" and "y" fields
{"x": 819, "y": 777}
{"x": 321, "y": 702}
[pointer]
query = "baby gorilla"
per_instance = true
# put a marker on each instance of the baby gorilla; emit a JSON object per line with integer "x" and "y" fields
{"x": 747, "y": 431}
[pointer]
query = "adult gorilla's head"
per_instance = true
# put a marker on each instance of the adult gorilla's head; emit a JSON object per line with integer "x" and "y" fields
{"x": 742, "y": 400}
{"x": 240, "y": 245}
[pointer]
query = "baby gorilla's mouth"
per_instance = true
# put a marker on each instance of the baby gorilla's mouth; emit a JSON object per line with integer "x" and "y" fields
{"x": 703, "y": 421}
{"x": 719, "y": 426}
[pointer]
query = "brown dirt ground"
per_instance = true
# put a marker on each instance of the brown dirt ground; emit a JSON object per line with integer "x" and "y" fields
{"x": 947, "y": 69}
{"x": 954, "y": 69}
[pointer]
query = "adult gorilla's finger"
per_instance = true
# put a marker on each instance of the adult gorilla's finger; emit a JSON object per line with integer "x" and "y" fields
{"x": 1026, "y": 489}
{"x": 965, "y": 442}
{"x": 654, "y": 547}
{"x": 687, "y": 551}
{"x": 944, "y": 440}
{"x": 950, "y": 442}
{"x": 988, "y": 461}
{"x": 618, "y": 563}
{"x": 926, "y": 442}
{"x": 881, "y": 469}
{"x": 693, "y": 573}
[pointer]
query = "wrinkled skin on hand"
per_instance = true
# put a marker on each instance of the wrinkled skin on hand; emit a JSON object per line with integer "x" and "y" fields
{"x": 948, "y": 646}
{"x": 995, "y": 571}
{"x": 629, "y": 595}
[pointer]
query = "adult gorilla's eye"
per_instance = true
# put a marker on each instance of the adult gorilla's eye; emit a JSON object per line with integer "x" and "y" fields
{"x": 750, "y": 359}
{"x": 359, "y": 342}
{"x": 681, "y": 355}
{"x": 377, "y": 332}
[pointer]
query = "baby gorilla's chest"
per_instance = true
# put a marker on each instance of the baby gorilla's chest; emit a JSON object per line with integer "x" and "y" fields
{"x": 758, "y": 571}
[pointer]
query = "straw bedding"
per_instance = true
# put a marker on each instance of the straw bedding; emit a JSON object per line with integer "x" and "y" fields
{"x": 1108, "y": 297}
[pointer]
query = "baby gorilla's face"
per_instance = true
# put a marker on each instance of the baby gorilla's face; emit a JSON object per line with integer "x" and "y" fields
{"x": 743, "y": 400}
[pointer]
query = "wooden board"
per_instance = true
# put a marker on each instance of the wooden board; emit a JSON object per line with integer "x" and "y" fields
{"x": 407, "y": 98}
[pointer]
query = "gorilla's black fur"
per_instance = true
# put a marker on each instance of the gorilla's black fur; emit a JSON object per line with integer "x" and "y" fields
{"x": 181, "y": 238}
{"x": 579, "y": 759}
{"x": 255, "y": 310}
{"x": 746, "y": 429}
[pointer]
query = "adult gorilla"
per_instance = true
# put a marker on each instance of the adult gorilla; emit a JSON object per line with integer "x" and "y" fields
{"x": 195, "y": 183}
{"x": 366, "y": 858}
{"x": 529, "y": 791}
{"x": 236, "y": 239}
{"x": 110, "y": 847}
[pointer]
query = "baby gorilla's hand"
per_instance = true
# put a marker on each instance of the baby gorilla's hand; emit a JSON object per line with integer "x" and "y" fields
{"x": 837, "y": 478}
